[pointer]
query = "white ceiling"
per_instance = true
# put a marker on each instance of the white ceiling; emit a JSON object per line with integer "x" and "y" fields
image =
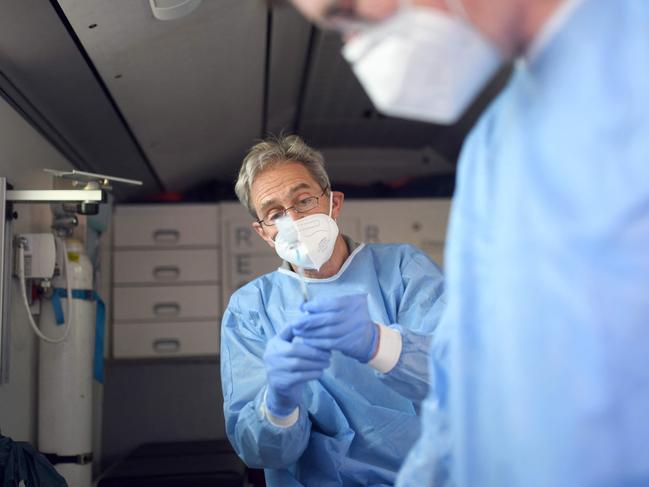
{"x": 191, "y": 89}
{"x": 177, "y": 103}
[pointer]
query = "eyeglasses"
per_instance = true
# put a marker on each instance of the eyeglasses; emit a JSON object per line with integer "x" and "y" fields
{"x": 341, "y": 16}
{"x": 301, "y": 206}
{"x": 338, "y": 15}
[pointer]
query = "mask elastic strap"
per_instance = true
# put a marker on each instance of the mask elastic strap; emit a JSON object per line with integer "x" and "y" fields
{"x": 458, "y": 9}
{"x": 331, "y": 202}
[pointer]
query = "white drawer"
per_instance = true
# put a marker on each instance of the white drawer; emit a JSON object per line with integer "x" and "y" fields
{"x": 178, "y": 339}
{"x": 166, "y": 303}
{"x": 350, "y": 225}
{"x": 165, "y": 266}
{"x": 239, "y": 236}
{"x": 166, "y": 225}
{"x": 240, "y": 269}
{"x": 246, "y": 267}
{"x": 421, "y": 222}
{"x": 400, "y": 220}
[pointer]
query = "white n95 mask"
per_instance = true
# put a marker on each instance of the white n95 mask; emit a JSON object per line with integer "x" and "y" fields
{"x": 422, "y": 64}
{"x": 307, "y": 242}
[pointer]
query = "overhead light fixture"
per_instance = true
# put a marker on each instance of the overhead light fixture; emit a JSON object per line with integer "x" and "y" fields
{"x": 173, "y": 9}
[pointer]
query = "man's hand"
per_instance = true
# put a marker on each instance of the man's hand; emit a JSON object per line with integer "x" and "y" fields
{"x": 341, "y": 323}
{"x": 290, "y": 364}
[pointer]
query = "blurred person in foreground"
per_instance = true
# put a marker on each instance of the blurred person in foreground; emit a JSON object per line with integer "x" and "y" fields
{"x": 548, "y": 247}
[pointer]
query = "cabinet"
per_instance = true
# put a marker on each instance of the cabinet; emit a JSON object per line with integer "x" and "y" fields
{"x": 176, "y": 266}
{"x": 167, "y": 293}
{"x": 245, "y": 254}
{"x": 421, "y": 222}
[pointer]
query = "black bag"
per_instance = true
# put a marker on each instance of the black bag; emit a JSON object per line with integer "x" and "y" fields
{"x": 20, "y": 461}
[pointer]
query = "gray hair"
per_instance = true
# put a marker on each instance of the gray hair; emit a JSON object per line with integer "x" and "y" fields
{"x": 273, "y": 151}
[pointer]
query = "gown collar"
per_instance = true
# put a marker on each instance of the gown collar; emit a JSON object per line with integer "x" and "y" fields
{"x": 354, "y": 248}
{"x": 552, "y": 28}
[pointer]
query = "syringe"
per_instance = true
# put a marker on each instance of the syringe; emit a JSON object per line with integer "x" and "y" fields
{"x": 300, "y": 272}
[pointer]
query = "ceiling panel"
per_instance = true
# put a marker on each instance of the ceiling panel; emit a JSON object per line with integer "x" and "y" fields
{"x": 191, "y": 89}
{"x": 338, "y": 117}
{"x": 371, "y": 165}
{"x": 336, "y": 112}
{"x": 288, "y": 57}
{"x": 179, "y": 102}
{"x": 46, "y": 78}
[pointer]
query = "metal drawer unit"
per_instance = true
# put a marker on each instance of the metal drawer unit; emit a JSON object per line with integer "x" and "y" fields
{"x": 245, "y": 255}
{"x": 421, "y": 222}
{"x": 167, "y": 293}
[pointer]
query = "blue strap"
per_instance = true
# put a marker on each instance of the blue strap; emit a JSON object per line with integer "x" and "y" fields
{"x": 100, "y": 322}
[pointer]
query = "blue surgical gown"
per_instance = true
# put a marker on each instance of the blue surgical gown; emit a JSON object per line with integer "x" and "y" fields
{"x": 548, "y": 273}
{"x": 356, "y": 425}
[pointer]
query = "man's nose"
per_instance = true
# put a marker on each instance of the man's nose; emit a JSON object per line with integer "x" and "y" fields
{"x": 293, "y": 213}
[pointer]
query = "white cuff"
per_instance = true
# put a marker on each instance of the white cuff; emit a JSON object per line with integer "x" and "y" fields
{"x": 280, "y": 421}
{"x": 389, "y": 350}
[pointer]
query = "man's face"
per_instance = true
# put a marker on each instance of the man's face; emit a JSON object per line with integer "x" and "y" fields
{"x": 283, "y": 186}
{"x": 499, "y": 20}
{"x": 328, "y": 12}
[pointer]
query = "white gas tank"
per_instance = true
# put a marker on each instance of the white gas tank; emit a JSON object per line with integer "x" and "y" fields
{"x": 66, "y": 372}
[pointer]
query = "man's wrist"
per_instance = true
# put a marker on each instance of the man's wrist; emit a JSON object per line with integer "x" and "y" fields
{"x": 388, "y": 350}
{"x": 278, "y": 406}
{"x": 375, "y": 342}
{"x": 277, "y": 419}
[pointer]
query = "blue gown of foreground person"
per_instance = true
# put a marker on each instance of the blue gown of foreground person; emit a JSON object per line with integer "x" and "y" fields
{"x": 548, "y": 272}
{"x": 357, "y": 424}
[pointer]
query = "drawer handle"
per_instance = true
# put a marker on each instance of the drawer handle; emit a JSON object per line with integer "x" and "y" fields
{"x": 166, "y": 236}
{"x": 166, "y": 345}
{"x": 166, "y": 273}
{"x": 166, "y": 309}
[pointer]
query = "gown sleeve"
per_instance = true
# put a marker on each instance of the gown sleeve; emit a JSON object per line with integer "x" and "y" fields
{"x": 260, "y": 443}
{"x": 419, "y": 312}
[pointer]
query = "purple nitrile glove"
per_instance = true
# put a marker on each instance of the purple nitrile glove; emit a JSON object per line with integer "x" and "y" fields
{"x": 339, "y": 323}
{"x": 290, "y": 364}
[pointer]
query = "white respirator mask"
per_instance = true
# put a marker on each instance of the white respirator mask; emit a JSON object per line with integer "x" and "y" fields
{"x": 307, "y": 242}
{"x": 422, "y": 63}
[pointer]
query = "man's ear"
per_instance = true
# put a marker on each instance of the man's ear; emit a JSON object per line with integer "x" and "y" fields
{"x": 260, "y": 231}
{"x": 338, "y": 199}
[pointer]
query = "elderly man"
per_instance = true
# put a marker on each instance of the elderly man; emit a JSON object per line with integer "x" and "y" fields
{"x": 327, "y": 391}
{"x": 547, "y": 259}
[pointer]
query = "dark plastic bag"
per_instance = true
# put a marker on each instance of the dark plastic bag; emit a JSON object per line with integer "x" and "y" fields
{"x": 20, "y": 461}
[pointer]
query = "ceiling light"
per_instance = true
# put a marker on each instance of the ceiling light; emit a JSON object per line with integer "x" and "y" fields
{"x": 172, "y": 9}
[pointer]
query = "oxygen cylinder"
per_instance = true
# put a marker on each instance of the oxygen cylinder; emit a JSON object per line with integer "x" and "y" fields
{"x": 66, "y": 374}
